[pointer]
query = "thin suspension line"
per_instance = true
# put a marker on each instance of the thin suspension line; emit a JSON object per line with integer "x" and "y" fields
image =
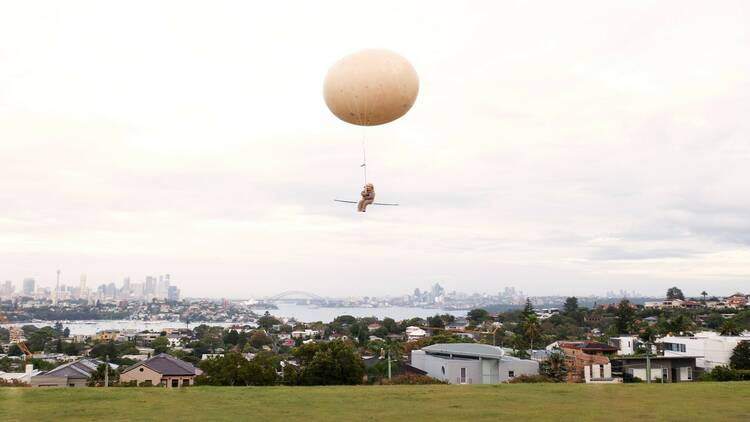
{"x": 364, "y": 155}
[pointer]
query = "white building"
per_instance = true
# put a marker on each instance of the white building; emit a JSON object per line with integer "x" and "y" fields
{"x": 664, "y": 304}
{"x": 307, "y": 333}
{"x": 626, "y": 345}
{"x": 709, "y": 348}
{"x": 22, "y": 377}
{"x": 415, "y": 333}
{"x": 599, "y": 374}
{"x": 470, "y": 363}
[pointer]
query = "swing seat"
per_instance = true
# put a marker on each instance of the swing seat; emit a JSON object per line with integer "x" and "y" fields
{"x": 357, "y": 202}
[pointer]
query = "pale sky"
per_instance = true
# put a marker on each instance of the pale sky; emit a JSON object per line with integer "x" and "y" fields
{"x": 559, "y": 147}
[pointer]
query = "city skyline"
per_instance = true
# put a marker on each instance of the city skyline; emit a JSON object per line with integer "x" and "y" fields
{"x": 140, "y": 284}
{"x": 578, "y": 150}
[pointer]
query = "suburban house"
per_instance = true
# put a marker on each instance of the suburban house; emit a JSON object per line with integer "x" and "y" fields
{"x": 21, "y": 377}
{"x": 580, "y": 354}
{"x": 163, "y": 370}
{"x": 599, "y": 374}
{"x": 663, "y": 368}
{"x": 710, "y": 349}
{"x": 307, "y": 333}
{"x": 736, "y": 301}
{"x": 73, "y": 374}
{"x": 415, "y": 333}
{"x": 470, "y": 363}
{"x": 106, "y": 335}
{"x": 459, "y": 324}
{"x": 626, "y": 345}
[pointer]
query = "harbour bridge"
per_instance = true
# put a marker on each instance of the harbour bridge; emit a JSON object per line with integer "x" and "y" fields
{"x": 297, "y": 296}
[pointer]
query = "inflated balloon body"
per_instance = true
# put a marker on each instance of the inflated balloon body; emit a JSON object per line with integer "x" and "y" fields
{"x": 371, "y": 87}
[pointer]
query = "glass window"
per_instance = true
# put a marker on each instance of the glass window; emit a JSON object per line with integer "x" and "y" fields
{"x": 690, "y": 373}
{"x": 511, "y": 374}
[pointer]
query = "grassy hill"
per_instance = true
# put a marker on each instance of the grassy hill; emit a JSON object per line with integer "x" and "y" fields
{"x": 533, "y": 402}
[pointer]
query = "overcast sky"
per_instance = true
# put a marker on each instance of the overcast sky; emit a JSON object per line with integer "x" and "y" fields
{"x": 558, "y": 147}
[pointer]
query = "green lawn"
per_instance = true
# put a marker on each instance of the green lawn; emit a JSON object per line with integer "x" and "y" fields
{"x": 527, "y": 402}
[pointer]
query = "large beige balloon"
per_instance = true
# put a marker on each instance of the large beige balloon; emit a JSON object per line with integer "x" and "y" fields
{"x": 371, "y": 87}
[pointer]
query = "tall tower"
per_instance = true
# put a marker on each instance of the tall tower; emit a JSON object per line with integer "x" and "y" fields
{"x": 57, "y": 289}
{"x": 82, "y": 292}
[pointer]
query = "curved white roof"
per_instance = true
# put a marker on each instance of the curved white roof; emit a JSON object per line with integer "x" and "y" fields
{"x": 466, "y": 349}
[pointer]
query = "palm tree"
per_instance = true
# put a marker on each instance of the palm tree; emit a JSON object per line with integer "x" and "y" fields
{"x": 555, "y": 366}
{"x": 730, "y": 328}
{"x": 532, "y": 328}
{"x": 680, "y": 324}
{"x": 704, "y": 294}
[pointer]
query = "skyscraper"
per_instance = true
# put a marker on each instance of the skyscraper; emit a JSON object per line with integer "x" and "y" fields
{"x": 125, "y": 290}
{"x": 150, "y": 287}
{"x": 29, "y": 286}
{"x": 174, "y": 293}
{"x": 7, "y": 289}
{"x": 56, "y": 293}
{"x": 83, "y": 291}
{"x": 162, "y": 290}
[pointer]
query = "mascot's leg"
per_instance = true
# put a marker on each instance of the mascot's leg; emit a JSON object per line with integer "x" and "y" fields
{"x": 366, "y": 203}
{"x": 361, "y": 205}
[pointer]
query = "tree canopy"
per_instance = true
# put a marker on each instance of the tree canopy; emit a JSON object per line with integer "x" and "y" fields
{"x": 675, "y": 293}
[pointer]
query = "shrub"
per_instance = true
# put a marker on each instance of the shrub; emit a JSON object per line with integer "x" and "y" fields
{"x": 410, "y": 379}
{"x": 13, "y": 383}
{"x": 527, "y": 379}
{"x": 724, "y": 373}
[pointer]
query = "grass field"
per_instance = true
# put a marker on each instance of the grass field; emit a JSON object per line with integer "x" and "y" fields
{"x": 527, "y": 402}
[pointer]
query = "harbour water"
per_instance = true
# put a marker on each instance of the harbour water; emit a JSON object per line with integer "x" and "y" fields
{"x": 302, "y": 313}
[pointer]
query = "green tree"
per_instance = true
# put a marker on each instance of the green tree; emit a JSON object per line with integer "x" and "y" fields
{"x": 435, "y": 321}
{"x": 625, "y": 317}
{"x": 477, "y": 316}
{"x": 101, "y": 350}
{"x": 555, "y": 367}
{"x": 225, "y": 370}
{"x": 329, "y": 363}
{"x": 571, "y": 306}
{"x": 675, "y": 293}
{"x": 714, "y": 321}
{"x": 345, "y": 320}
{"x": 160, "y": 345}
{"x": 259, "y": 339}
{"x": 704, "y": 294}
{"x": 532, "y": 329}
{"x": 97, "y": 377}
{"x": 39, "y": 338}
{"x": 261, "y": 370}
{"x": 730, "y": 328}
{"x": 391, "y": 325}
{"x": 231, "y": 337}
{"x": 740, "y": 358}
{"x": 677, "y": 324}
{"x": 528, "y": 308}
{"x": 267, "y": 321}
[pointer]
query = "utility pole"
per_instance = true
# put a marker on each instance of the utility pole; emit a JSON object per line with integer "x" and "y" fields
{"x": 648, "y": 362}
{"x": 389, "y": 364}
{"x": 106, "y": 371}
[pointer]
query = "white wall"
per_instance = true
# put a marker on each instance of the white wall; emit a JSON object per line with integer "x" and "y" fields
{"x": 518, "y": 366}
{"x": 712, "y": 348}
